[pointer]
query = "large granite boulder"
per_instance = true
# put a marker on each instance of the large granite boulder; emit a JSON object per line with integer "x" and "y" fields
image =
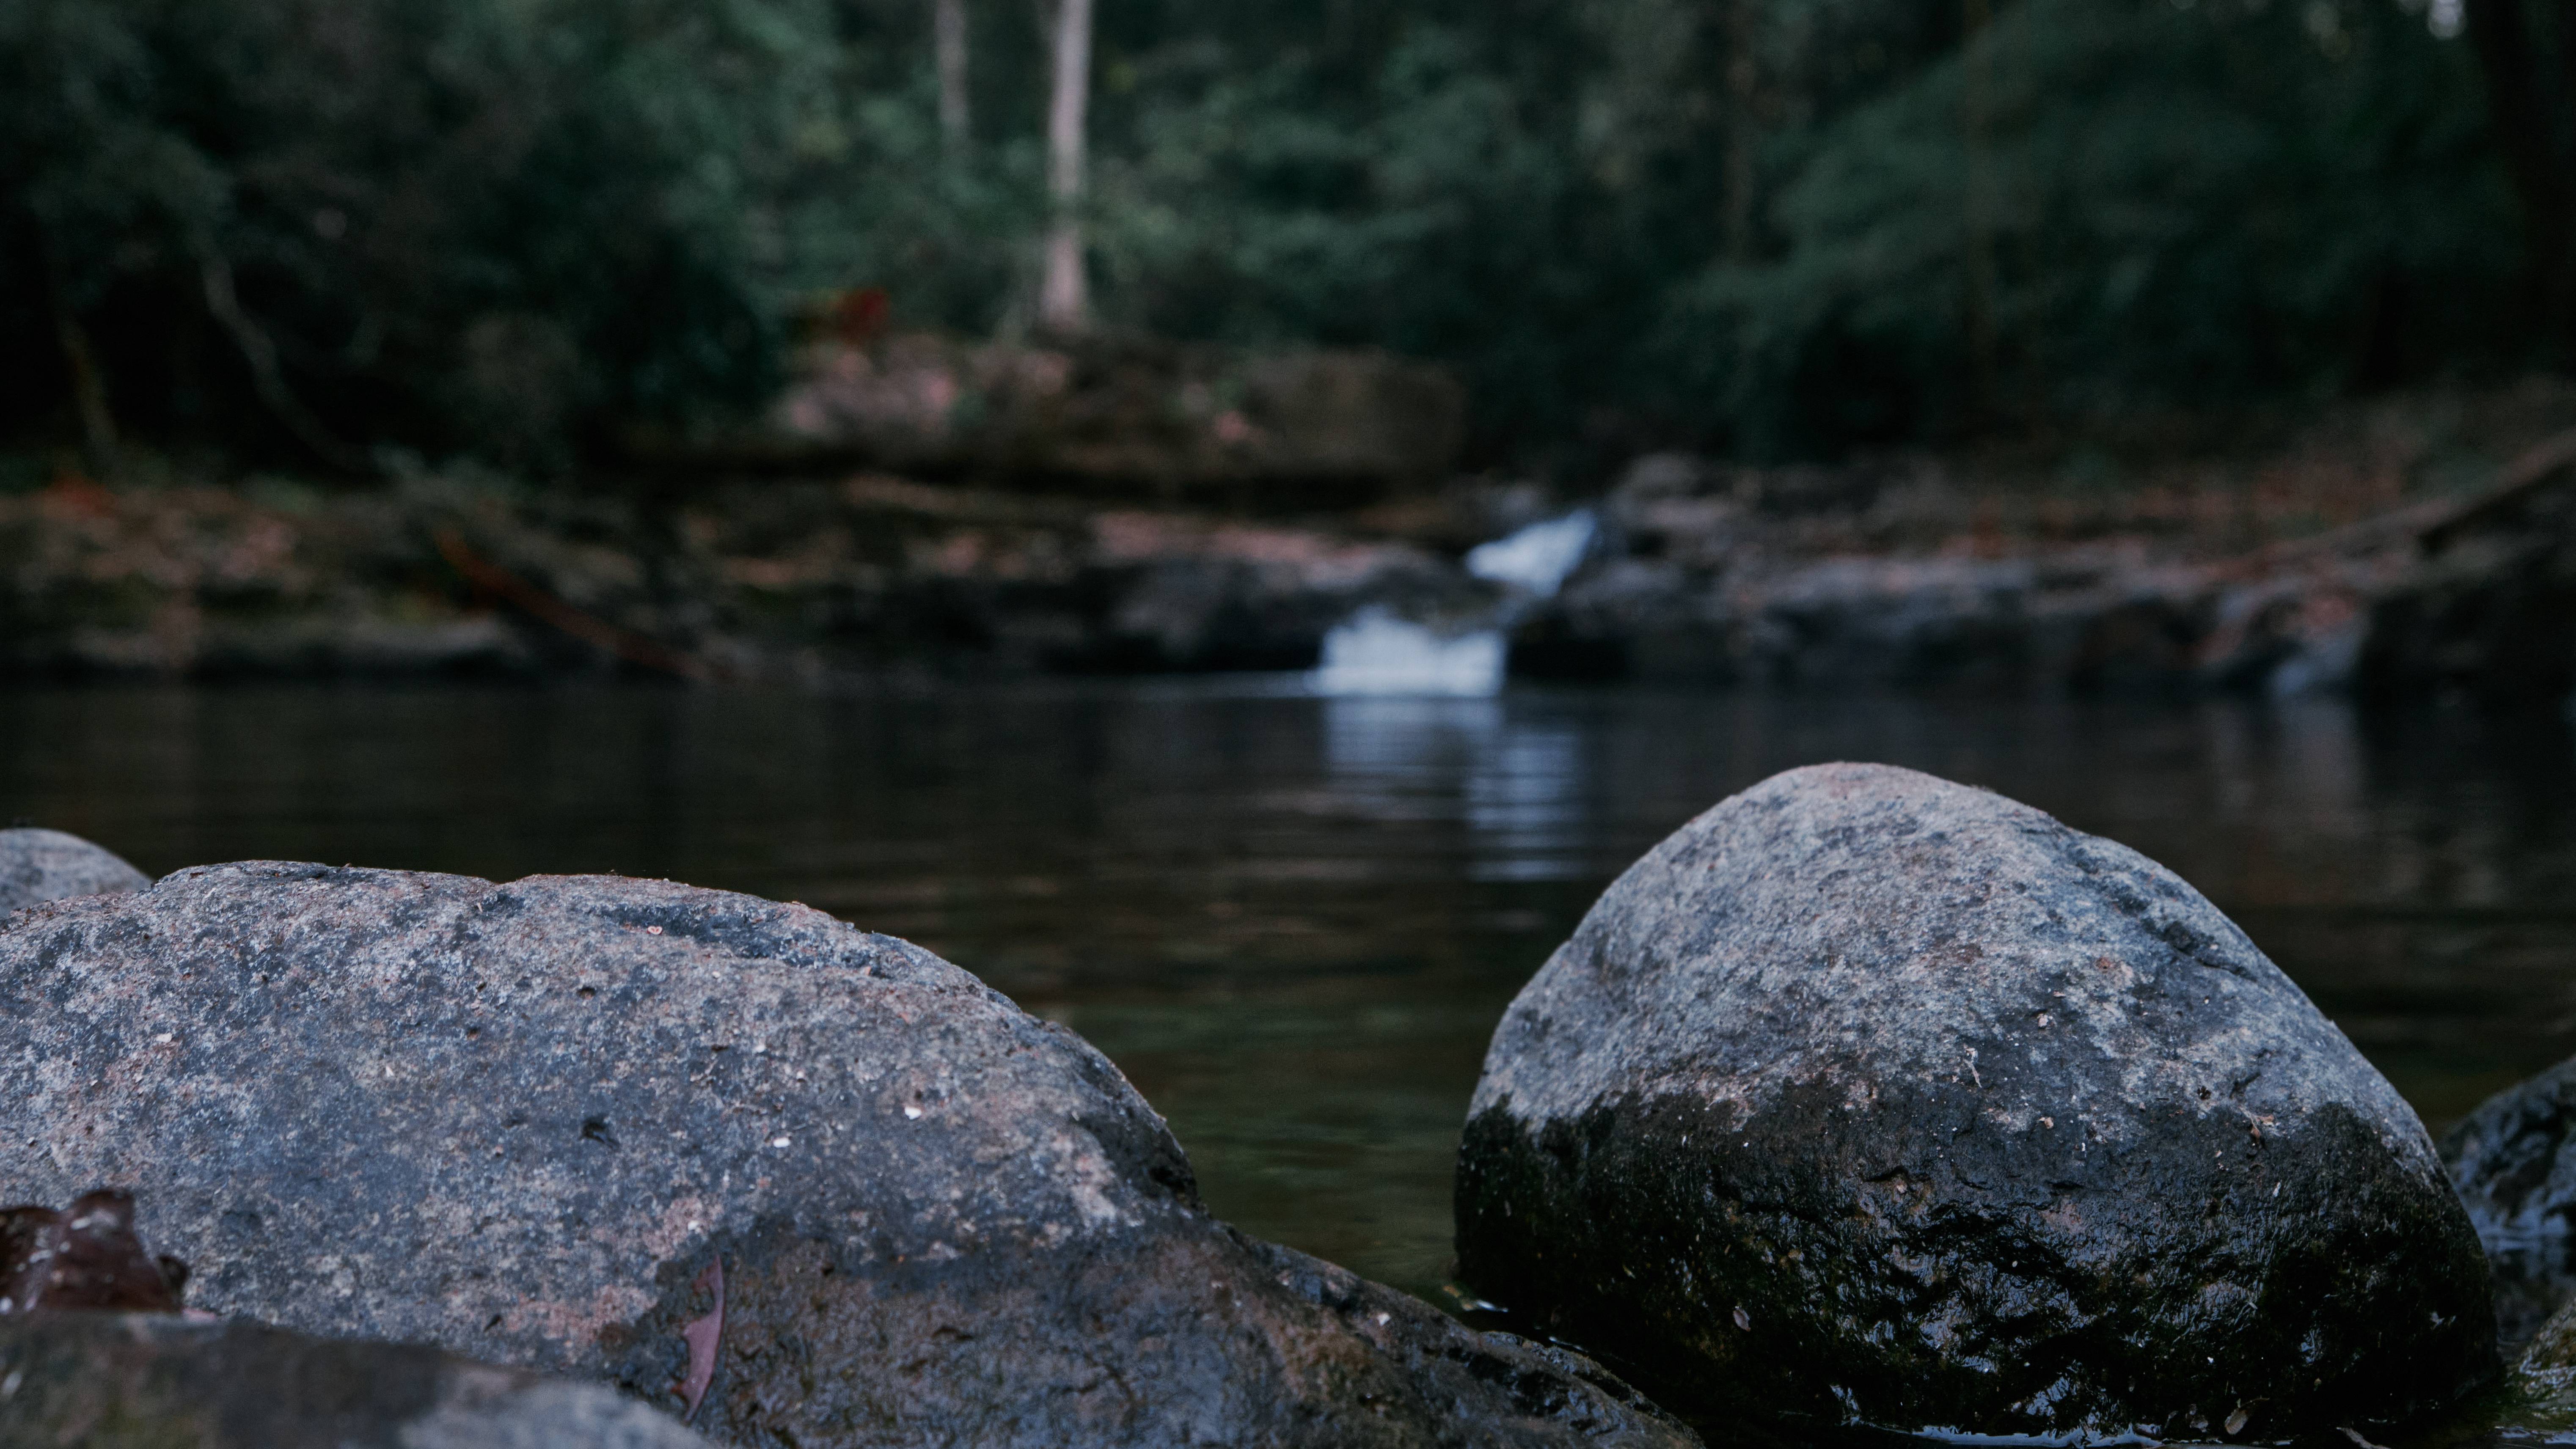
{"x": 2513, "y": 1163}
{"x": 158, "y": 1381}
{"x": 48, "y": 865}
{"x": 730, "y": 1155}
{"x": 1870, "y": 1098}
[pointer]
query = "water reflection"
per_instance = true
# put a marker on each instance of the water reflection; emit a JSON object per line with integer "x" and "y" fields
{"x": 1293, "y": 920}
{"x": 1515, "y": 777}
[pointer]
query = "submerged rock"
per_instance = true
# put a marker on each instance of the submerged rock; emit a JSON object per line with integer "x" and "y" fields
{"x": 721, "y": 1152}
{"x": 48, "y": 865}
{"x": 1871, "y": 1098}
{"x": 2513, "y": 1162}
{"x": 156, "y": 1381}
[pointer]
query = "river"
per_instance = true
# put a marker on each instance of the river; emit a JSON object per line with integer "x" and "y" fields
{"x": 1293, "y": 920}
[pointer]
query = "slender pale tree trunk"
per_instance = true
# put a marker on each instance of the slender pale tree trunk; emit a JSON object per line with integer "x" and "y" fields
{"x": 948, "y": 30}
{"x": 1064, "y": 303}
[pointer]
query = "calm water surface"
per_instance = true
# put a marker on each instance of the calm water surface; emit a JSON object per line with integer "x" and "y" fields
{"x": 1294, "y": 921}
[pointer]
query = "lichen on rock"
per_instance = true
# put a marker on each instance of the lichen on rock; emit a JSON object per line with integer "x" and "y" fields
{"x": 522, "y": 1122}
{"x": 1869, "y": 1098}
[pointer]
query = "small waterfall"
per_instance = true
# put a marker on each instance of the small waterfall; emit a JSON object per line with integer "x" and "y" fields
{"x": 1537, "y": 558}
{"x": 1376, "y": 652}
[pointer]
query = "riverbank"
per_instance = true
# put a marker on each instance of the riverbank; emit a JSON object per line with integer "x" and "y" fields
{"x": 2421, "y": 545}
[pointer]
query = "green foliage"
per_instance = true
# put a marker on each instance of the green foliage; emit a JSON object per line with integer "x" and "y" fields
{"x": 1775, "y": 226}
{"x": 2165, "y": 205}
{"x": 492, "y": 221}
{"x": 2161, "y": 204}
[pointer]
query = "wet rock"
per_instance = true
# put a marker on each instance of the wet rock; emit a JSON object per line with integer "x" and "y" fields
{"x": 47, "y": 865}
{"x": 694, "y": 1143}
{"x": 156, "y": 1381}
{"x": 2086, "y": 618}
{"x": 2542, "y": 1406}
{"x": 2490, "y": 613}
{"x": 2513, "y": 1162}
{"x": 1871, "y": 1098}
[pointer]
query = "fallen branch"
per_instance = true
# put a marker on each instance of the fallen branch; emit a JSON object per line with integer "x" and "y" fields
{"x": 2428, "y": 525}
{"x": 260, "y": 352}
{"x": 2539, "y": 466}
{"x": 626, "y": 644}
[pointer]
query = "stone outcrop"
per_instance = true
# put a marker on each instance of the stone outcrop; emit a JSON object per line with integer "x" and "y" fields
{"x": 1130, "y": 417}
{"x": 818, "y": 1184}
{"x": 1868, "y": 1098}
{"x": 45, "y": 865}
{"x": 1879, "y": 576}
{"x": 1861, "y": 575}
{"x": 771, "y": 580}
{"x": 158, "y": 1381}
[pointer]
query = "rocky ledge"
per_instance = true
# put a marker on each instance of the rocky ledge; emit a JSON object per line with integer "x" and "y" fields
{"x": 1702, "y": 572}
{"x": 1737, "y": 576}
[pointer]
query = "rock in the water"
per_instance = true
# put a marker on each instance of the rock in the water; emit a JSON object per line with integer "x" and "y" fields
{"x": 1871, "y": 1098}
{"x": 698, "y": 1143}
{"x": 2513, "y": 1162}
{"x": 2542, "y": 1406}
{"x": 48, "y": 865}
{"x": 156, "y": 1381}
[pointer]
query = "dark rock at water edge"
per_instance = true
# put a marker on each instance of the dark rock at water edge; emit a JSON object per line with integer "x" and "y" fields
{"x": 46, "y": 865}
{"x": 776, "y": 580}
{"x": 1870, "y": 1098}
{"x": 157, "y": 1381}
{"x": 2542, "y": 1406}
{"x": 2513, "y": 1162}
{"x": 587, "y": 1125}
{"x": 1876, "y": 574}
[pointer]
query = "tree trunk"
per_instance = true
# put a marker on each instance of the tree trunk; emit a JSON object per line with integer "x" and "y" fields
{"x": 2525, "y": 117}
{"x": 1064, "y": 303}
{"x": 948, "y": 27}
{"x": 89, "y": 388}
{"x": 1979, "y": 299}
{"x": 1743, "y": 79}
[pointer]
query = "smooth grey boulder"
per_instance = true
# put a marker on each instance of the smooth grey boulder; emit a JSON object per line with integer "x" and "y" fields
{"x": 48, "y": 865}
{"x": 2513, "y": 1163}
{"x": 695, "y": 1143}
{"x": 1868, "y": 1098}
{"x": 157, "y": 1381}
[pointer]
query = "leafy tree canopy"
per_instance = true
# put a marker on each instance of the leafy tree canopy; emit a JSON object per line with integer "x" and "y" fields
{"x": 1779, "y": 227}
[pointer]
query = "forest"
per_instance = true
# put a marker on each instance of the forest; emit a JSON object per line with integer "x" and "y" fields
{"x": 312, "y": 230}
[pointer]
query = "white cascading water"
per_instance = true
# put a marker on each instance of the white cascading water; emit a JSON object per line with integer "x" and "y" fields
{"x": 1377, "y": 652}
